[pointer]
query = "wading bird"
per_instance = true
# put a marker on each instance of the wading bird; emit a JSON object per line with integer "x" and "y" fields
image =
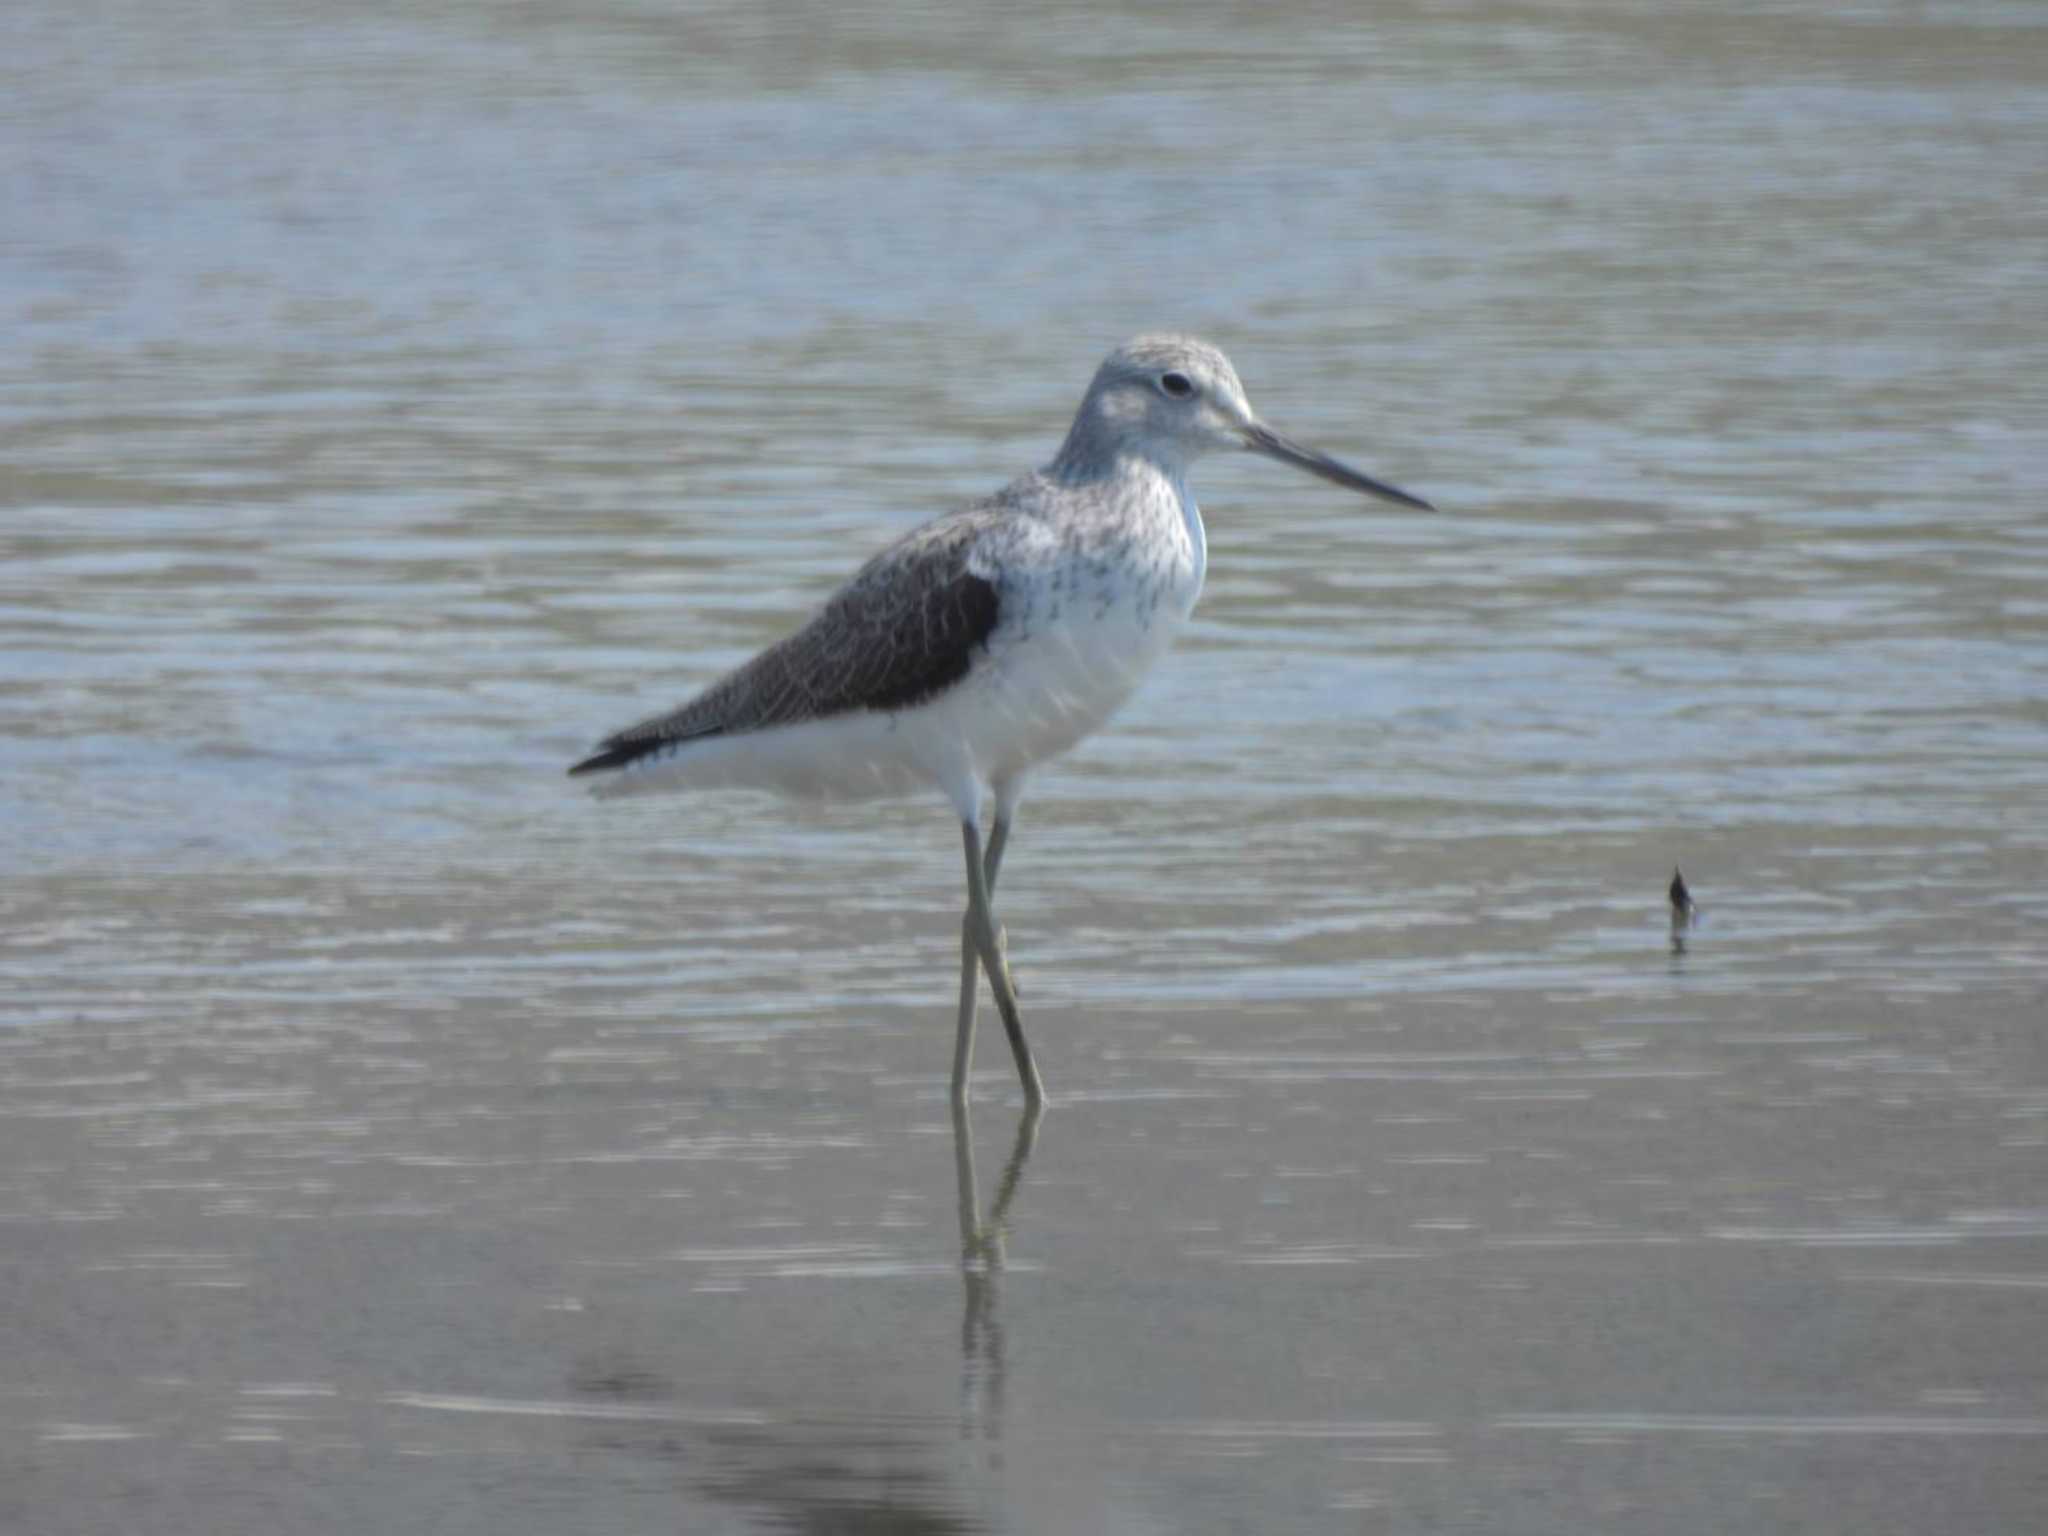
{"x": 989, "y": 640}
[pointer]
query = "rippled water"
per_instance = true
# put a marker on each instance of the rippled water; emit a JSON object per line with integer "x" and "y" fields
{"x": 398, "y": 398}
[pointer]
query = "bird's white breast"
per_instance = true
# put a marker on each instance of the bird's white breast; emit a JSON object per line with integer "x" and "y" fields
{"x": 1088, "y": 610}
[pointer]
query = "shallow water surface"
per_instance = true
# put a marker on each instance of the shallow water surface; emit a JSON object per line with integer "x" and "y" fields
{"x": 399, "y": 398}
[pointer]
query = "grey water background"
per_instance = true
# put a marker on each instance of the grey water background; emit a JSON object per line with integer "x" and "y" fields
{"x": 396, "y": 397}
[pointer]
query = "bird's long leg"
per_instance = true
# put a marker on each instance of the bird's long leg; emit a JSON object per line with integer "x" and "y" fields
{"x": 988, "y": 942}
{"x": 970, "y": 962}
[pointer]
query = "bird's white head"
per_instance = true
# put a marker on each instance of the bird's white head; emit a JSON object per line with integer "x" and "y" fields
{"x": 1169, "y": 399}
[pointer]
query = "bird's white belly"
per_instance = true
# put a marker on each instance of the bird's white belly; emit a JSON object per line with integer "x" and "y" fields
{"x": 1045, "y": 690}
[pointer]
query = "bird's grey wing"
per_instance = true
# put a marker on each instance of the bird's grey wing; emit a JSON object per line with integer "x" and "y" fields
{"x": 905, "y": 628}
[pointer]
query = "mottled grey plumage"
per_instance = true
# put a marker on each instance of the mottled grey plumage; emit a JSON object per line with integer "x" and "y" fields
{"x": 983, "y": 644}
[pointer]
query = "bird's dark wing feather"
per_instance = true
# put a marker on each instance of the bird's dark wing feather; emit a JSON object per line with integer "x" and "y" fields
{"x": 905, "y": 628}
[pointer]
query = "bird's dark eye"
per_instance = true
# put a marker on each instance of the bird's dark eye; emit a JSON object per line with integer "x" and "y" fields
{"x": 1178, "y": 385}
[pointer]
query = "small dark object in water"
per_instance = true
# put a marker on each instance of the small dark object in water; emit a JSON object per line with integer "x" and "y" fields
{"x": 1683, "y": 907}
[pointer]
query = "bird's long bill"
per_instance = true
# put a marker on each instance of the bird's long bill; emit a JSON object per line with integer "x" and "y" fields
{"x": 1261, "y": 438}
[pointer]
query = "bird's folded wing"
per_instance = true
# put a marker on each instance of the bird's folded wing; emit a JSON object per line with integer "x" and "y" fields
{"x": 905, "y": 628}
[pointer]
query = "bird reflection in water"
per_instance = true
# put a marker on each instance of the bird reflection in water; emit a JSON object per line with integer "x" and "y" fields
{"x": 981, "y": 1268}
